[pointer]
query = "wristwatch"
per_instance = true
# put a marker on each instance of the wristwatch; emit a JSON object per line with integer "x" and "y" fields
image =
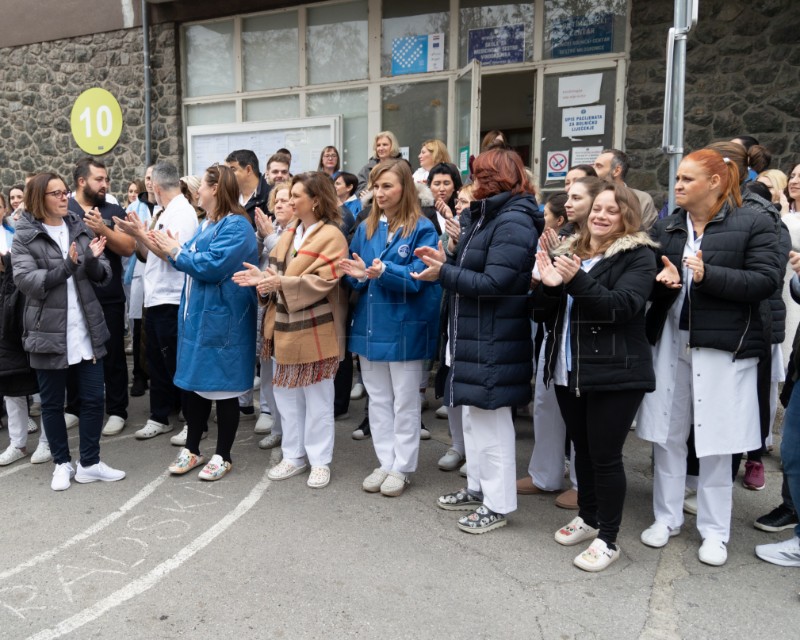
{"x": 173, "y": 253}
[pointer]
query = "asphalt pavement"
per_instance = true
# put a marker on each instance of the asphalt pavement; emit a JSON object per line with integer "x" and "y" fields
{"x": 155, "y": 556}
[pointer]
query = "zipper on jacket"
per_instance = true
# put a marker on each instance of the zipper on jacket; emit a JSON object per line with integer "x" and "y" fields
{"x": 551, "y": 368}
{"x": 746, "y": 327}
{"x": 453, "y": 337}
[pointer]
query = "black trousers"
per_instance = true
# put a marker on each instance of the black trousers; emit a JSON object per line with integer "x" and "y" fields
{"x": 115, "y": 367}
{"x": 342, "y": 384}
{"x": 197, "y": 409}
{"x": 139, "y": 372}
{"x": 161, "y": 326}
{"x": 598, "y": 424}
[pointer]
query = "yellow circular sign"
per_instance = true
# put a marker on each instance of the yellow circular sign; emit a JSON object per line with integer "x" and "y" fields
{"x": 96, "y": 121}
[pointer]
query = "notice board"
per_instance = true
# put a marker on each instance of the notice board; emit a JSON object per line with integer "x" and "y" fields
{"x": 304, "y": 137}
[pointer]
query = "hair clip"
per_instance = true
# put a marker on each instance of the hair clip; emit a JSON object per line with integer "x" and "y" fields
{"x": 726, "y": 160}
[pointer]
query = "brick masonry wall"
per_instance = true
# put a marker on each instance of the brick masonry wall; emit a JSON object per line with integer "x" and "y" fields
{"x": 39, "y": 83}
{"x": 742, "y": 77}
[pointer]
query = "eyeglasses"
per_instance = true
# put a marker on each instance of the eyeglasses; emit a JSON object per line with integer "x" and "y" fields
{"x": 58, "y": 194}
{"x": 330, "y": 156}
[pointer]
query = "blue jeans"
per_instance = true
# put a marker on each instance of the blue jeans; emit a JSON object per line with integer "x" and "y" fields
{"x": 52, "y": 386}
{"x": 790, "y": 447}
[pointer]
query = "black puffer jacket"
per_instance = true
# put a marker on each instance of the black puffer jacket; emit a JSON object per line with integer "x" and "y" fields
{"x": 13, "y": 359}
{"x": 773, "y": 310}
{"x": 487, "y": 281}
{"x": 607, "y": 332}
{"x": 41, "y": 273}
{"x": 743, "y": 266}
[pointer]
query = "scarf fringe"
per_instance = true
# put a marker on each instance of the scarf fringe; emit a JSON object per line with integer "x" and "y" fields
{"x": 303, "y": 375}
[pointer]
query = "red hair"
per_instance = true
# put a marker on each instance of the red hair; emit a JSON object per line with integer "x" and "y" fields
{"x": 713, "y": 163}
{"x": 498, "y": 171}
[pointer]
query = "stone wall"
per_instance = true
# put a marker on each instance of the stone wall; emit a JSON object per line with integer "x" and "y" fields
{"x": 742, "y": 77}
{"x": 39, "y": 83}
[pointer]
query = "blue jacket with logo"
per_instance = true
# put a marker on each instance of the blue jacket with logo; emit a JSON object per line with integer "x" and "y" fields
{"x": 217, "y": 317}
{"x": 396, "y": 317}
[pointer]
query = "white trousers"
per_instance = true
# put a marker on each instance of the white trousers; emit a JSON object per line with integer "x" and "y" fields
{"x": 266, "y": 396}
{"x": 307, "y": 415}
{"x": 489, "y": 439}
{"x": 714, "y": 483}
{"x": 456, "y": 422}
{"x": 17, "y": 410}
{"x": 394, "y": 411}
{"x": 546, "y": 467}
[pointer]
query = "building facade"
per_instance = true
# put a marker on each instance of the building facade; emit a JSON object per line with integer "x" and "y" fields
{"x": 562, "y": 79}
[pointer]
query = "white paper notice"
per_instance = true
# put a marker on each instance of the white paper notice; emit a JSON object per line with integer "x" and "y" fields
{"x": 436, "y": 52}
{"x": 577, "y": 90}
{"x": 583, "y": 121}
{"x": 585, "y": 155}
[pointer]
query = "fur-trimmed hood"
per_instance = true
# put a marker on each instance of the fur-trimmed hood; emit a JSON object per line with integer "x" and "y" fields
{"x": 620, "y": 245}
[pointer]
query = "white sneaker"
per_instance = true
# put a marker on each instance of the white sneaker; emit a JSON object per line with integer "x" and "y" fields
{"x": 264, "y": 424}
{"x": 424, "y": 434}
{"x": 179, "y": 439}
{"x": 42, "y": 453}
{"x": 71, "y": 419}
{"x": 441, "y": 413}
{"x": 358, "y": 391}
{"x": 451, "y": 460}
{"x": 785, "y": 554}
{"x": 463, "y": 470}
{"x": 151, "y": 429}
{"x": 100, "y": 471}
{"x": 690, "y": 502}
{"x": 62, "y": 474}
{"x": 33, "y": 426}
{"x": 114, "y": 425}
{"x": 10, "y": 455}
{"x": 271, "y": 441}
{"x": 713, "y": 552}
{"x": 658, "y": 534}
{"x": 394, "y": 484}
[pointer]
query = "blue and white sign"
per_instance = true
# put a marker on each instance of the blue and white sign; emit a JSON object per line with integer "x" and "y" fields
{"x": 418, "y": 54}
{"x": 583, "y": 121}
{"x": 497, "y": 45}
{"x": 583, "y": 35}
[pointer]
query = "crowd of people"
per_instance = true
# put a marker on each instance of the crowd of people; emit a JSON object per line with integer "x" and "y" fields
{"x": 320, "y": 288}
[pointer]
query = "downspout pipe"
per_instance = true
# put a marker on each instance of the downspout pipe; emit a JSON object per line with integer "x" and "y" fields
{"x": 148, "y": 84}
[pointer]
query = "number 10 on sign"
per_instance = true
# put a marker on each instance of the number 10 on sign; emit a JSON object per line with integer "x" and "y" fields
{"x": 96, "y": 121}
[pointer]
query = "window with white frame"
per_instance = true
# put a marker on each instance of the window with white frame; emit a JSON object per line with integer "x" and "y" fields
{"x": 362, "y": 59}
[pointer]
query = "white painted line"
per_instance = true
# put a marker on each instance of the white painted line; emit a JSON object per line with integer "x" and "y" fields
{"x": 149, "y": 580}
{"x": 95, "y": 528}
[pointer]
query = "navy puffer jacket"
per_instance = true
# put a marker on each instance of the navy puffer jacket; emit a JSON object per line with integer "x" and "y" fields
{"x": 743, "y": 266}
{"x": 491, "y": 351}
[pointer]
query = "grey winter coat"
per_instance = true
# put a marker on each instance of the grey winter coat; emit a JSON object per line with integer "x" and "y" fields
{"x": 41, "y": 273}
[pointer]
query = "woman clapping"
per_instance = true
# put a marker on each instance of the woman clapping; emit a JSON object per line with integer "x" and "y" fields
{"x": 216, "y": 320}
{"x": 594, "y": 294}
{"x": 395, "y": 322}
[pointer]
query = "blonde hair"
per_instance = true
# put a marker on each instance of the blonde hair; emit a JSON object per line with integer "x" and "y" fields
{"x": 394, "y": 151}
{"x": 438, "y": 151}
{"x": 273, "y": 193}
{"x": 776, "y": 177}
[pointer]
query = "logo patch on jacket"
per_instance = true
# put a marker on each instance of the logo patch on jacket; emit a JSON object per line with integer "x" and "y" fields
{"x": 404, "y": 250}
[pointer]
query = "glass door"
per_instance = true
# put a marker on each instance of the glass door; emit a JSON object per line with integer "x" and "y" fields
{"x": 468, "y": 115}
